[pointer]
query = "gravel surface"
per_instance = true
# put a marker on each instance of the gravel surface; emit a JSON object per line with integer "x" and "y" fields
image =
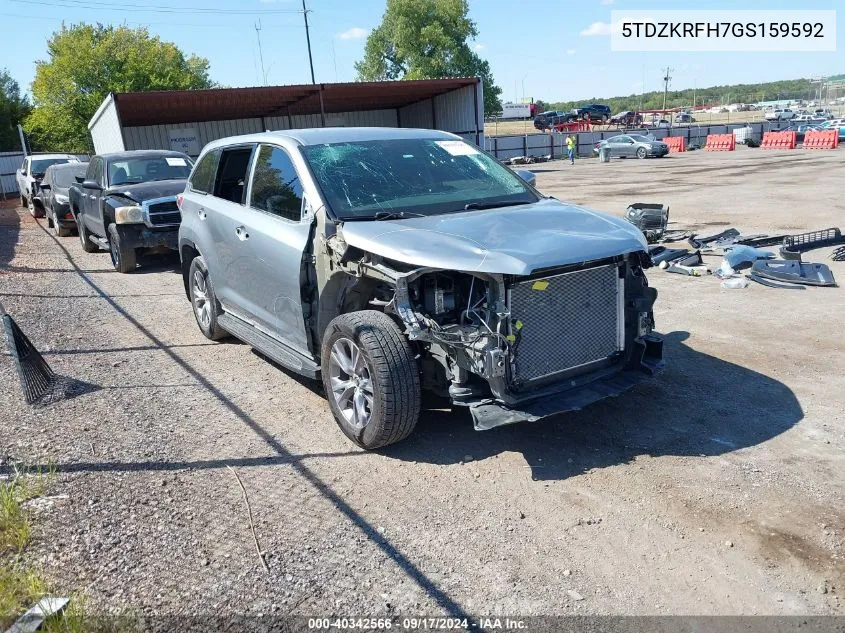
{"x": 715, "y": 488}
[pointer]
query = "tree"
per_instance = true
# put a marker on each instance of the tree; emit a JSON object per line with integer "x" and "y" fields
{"x": 425, "y": 39}
{"x": 87, "y": 62}
{"x": 13, "y": 109}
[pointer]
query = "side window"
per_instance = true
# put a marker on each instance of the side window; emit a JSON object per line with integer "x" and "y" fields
{"x": 233, "y": 173}
{"x": 276, "y": 187}
{"x": 202, "y": 180}
{"x": 93, "y": 168}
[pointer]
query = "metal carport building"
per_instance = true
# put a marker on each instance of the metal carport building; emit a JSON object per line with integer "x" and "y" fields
{"x": 185, "y": 120}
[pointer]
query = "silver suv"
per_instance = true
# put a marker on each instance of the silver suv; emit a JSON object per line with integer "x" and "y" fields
{"x": 391, "y": 261}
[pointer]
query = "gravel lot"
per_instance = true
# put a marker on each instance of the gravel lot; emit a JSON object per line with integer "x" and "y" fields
{"x": 717, "y": 488}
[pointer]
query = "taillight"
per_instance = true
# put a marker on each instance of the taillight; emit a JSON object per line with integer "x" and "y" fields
{"x": 179, "y": 201}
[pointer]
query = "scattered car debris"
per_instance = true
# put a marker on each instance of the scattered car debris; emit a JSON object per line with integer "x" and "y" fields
{"x": 649, "y": 218}
{"x": 32, "y": 620}
{"x": 838, "y": 255}
{"x": 691, "y": 265}
{"x": 35, "y": 374}
{"x": 735, "y": 282}
{"x": 794, "y": 245}
{"x": 774, "y": 284}
{"x": 526, "y": 160}
{"x": 675, "y": 235}
{"x": 793, "y": 271}
{"x": 660, "y": 254}
{"x": 706, "y": 243}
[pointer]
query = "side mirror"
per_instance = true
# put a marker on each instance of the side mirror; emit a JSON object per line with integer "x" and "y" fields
{"x": 527, "y": 176}
{"x": 90, "y": 184}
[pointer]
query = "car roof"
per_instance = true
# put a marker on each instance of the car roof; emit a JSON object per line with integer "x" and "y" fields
{"x": 48, "y": 156}
{"x": 67, "y": 166}
{"x": 141, "y": 153}
{"x": 323, "y": 135}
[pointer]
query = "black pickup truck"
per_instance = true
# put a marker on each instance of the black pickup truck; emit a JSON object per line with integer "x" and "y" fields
{"x": 127, "y": 201}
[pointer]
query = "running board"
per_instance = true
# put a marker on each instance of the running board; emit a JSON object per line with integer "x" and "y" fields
{"x": 270, "y": 347}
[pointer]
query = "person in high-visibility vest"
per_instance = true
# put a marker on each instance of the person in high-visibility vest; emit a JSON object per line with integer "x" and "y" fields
{"x": 570, "y": 149}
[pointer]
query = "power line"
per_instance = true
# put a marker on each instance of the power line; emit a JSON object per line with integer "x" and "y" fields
{"x": 40, "y": 18}
{"x": 103, "y": 6}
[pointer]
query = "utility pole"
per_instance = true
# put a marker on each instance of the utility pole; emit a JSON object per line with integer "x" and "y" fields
{"x": 666, "y": 79}
{"x": 308, "y": 39}
{"x": 260, "y": 53}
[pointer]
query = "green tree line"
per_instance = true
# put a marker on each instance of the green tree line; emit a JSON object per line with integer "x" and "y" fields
{"x": 793, "y": 89}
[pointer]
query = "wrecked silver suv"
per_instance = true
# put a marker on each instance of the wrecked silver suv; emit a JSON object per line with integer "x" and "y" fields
{"x": 391, "y": 261}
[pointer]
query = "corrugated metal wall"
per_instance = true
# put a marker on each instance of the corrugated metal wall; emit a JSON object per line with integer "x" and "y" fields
{"x": 417, "y": 114}
{"x": 452, "y": 112}
{"x": 9, "y": 163}
{"x": 156, "y": 136}
{"x": 105, "y": 130}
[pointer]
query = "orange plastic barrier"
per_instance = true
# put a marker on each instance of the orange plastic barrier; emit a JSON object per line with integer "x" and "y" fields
{"x": 821, "y": 139}
{"x": 676, "y": 144}
{"x": 779, "y": 140}
{"x": 720, "y": 143}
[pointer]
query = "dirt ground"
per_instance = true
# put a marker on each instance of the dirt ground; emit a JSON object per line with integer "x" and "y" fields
{"x": 716, "y": 488}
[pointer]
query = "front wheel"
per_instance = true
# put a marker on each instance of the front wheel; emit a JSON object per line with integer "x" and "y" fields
{"x": 641, "y": 152}
{"x": 33, "y": 210}
{"x": 123, "y": 258}
{"x": 371, "y": 378}
{"x": 84, "y": 236}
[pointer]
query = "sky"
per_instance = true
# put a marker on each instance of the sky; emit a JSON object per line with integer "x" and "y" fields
{"x": 555, "y": 51}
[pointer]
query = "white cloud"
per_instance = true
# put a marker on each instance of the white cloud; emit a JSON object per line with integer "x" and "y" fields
{"x": 478, "y": 47}
{"x": 355, "y": 33}
{"x": 607, "y": 28}
{"x": 570, "y": 51}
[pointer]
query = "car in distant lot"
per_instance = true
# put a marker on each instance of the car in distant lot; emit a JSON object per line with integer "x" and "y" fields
{"x": 547, "y": 120}
{"x": 597, "y": 112}
{"x": 127, "y": 201}
{"x": 684, "y": 117}
{"x": 835, "y": 124}
{"x": 453, "y": 276}
{"x": 632, "y": 146}
{"x": 29, "y": 178}
{"x": 800, "y": 130}
{"x": 627, "y": 118}
{"x": 779, "y": 114}
{"x": 54, "y": 195}
{"x": 808, "y": 119}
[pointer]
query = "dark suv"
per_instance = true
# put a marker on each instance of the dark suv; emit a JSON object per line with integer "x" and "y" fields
{"x": 547, "y": 120}
{"x": 596, "y": 111}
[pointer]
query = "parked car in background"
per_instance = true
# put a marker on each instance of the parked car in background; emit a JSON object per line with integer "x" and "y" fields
{"x": 127, "y": 202}
{"x": 779, "y": 115}
{"x": 597, "y": 112}
{"x": 632, "y": 146}
{"x": 627, "y": 118}
{"x": 297, "y": 244}
{"x": 547, "y": 120}
{"x": 800, "y": 130}
{"x": 659, "y": 123}
{"x": 29, "y": 178}
{"x": 835, "y": 124}
{"x": 823, "y": 113}
{"x": 55, "y": 198}
{"x": 684, "y": 117}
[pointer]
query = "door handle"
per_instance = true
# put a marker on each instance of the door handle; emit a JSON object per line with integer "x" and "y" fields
{"x": 241, "y": 233}
{"x": 201, "y": 213}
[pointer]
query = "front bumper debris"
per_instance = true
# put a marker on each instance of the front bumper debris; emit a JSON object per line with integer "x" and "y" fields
{"x": 489, "y": 414}
{"x": 139, "y": 236}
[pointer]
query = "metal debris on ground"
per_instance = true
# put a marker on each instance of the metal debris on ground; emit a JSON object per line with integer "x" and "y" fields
{"x": 32, "y": 620}
{"x": 838, "y": 255}
{"x": 794, "y": 245}
{"x": 793, "y": 271}
{"x": 35, "y": 374}
{"x": 774, "y": 284}
{"x": 649, "y": 218}
{"x": 660, "y": 254}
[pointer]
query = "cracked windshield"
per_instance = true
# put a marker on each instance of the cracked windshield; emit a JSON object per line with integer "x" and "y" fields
{"x": 411, "y": 177}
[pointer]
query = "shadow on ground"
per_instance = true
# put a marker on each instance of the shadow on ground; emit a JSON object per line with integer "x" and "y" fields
{"x": 700, "y": 406}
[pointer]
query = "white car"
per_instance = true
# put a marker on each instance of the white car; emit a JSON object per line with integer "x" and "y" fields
{"x": 780, "y": 115}
{"x": 29, "y": 177}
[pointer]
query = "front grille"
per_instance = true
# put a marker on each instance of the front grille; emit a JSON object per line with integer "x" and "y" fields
{"x": 164, "y": 213}
{"x": 565, "y": 322}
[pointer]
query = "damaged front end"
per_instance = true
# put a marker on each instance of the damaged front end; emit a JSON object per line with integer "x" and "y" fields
{"x": 520, "y": 348}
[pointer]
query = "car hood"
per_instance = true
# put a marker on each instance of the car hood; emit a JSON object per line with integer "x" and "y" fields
{"x": 139, "y": 192}
{"x": 511, "y": 240}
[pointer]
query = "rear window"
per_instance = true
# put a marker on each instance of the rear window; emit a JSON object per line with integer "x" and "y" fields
{"x": 40, "y": 166}
{"x": 202, "y": 180}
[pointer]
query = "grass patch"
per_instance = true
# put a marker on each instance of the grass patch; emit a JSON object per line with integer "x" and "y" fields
{"x": 22, "y": 586}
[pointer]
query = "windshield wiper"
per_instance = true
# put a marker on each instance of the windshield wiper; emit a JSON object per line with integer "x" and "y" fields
{"x": 475, "y": 206}
{"x": 396, "y": 215}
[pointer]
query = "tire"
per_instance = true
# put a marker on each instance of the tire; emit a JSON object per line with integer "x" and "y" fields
{"x": 33, "y": 210}
{"x": 386, "y": 364}
{"x": 123, "y": 259}
{"x": 61, "y": 231}
{"x": 51, "y": 223}
{"x": 23, "y": 201}
{"x": 199, "y": 283}
{"x": 641, "y": 152}
{"x": 84, "y": 236}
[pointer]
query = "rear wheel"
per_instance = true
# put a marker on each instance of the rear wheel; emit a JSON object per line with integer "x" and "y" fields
{"x": 123, "y": 258}
{"x": 61, "y": 231}
{"x": 371, "y": 378}
{"x": 84, "y": 236}
{"x": 204, "y": 301}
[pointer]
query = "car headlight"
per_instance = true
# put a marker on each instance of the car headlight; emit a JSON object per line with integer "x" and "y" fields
{"x": 128, "y": 215}
{"x": 60, "y": 198}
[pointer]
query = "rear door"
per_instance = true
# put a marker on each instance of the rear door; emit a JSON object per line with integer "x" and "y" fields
{"x": 272, "y": 236}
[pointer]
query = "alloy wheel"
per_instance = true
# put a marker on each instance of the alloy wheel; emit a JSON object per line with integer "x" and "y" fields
{"x": 351, "y": 383}
{"x": 202, "y": 305}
